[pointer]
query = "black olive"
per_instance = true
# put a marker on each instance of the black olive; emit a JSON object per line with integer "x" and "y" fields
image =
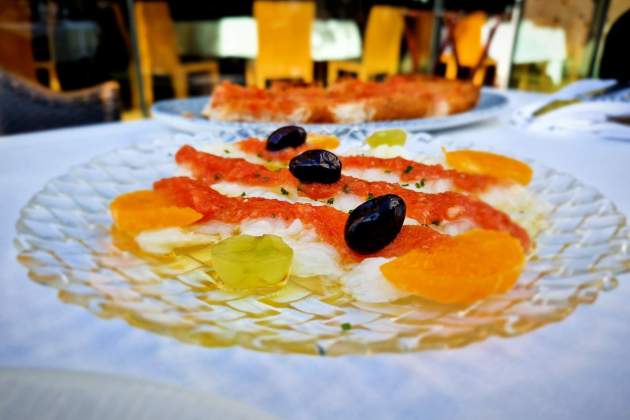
{"x": 287, "y": 136}
{"x": 316, "y": 166}
{"x": 374, "y": 224}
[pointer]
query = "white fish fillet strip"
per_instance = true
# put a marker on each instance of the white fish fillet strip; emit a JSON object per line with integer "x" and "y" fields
{"x": 311, "y": 257}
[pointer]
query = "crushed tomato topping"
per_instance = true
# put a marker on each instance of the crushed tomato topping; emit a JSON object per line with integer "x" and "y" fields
{"x": 423, "y": 207}
{"x": 408, "y": 170}
{"x": 328, "y": 222}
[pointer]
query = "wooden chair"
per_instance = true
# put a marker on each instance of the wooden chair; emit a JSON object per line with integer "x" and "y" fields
{"x": 158, "y": 51}
{"x": 468, "y": 50}
{"x": 16, "y": 53}
{"x": 381, "y": 51}
{"x": 418, "y": 31}
{"x": 27, "y": 106}
{"x": 50, "y": 65}
{"x": 284, "y": 42}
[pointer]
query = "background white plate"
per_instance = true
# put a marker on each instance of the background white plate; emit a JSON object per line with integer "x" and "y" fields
{"x": 185, "y": 114}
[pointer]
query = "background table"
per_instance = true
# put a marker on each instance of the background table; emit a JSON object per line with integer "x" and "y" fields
{"x": 236, "y": 37}
{"x": 536, "y": 44}
{"x": 575, "y": 369}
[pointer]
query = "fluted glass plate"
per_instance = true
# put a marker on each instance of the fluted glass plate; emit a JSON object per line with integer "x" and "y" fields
{"x": 185, "y": 114}
{"x": 63, "y": 238}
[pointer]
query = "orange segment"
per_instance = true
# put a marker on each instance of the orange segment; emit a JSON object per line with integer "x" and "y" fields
{"x": 485, "y": 163}
{"x": 322, "y": 141}
{"x": 143, "y": 210}
{"x": 460, "y": 269}
{"x": 139, "y": 199}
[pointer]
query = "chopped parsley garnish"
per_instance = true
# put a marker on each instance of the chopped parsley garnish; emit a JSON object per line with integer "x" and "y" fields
{"x": 283, "y": 191}
{"x": 346, "y": 326}
{"x": 226, "y": 151}
{"x": 420, "y": 184}
{"x": 330, "y": 200}
{"x": 243, "y": 194}
{"x": 404, "y": 185}
{"x": 370, "y": 196}
{"x": 408, "y": 169}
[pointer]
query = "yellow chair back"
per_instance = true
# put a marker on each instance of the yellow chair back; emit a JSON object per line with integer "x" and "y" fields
{"x": 381, "y": 51}
{"x": 156, "y": 37}
{"x": 284, "y": 40}
{"x": 467, "y": 38}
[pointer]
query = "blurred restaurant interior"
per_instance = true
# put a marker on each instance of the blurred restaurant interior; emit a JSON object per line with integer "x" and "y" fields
{"x": 137, "y": 52}
{"x": 314, "y": 209}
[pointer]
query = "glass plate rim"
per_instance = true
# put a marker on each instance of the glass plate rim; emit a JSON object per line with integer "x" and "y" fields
{"x": 608, "y": 282}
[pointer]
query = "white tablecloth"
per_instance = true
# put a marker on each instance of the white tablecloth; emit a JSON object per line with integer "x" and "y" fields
{"x": 574, "y": 369}
{"x": 331, "y": 39}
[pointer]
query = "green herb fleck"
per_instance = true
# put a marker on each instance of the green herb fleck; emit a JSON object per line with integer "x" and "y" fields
{"x": 350, "y": 211}
{"x": 346, "y": 326}
{"x": 226, "y": 151}
{"x": 283, "y": 191}
{"x": 331, "y": 200}
{"x": 370, "y": 196}
{"x": 420, "y": 184}
{"x": 243, "y": 194}
{"x": 408, "y": 169}
{"x": 404, "y": 185}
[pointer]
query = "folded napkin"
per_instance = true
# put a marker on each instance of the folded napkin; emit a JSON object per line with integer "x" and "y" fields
{"x": 590, "y": 117}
